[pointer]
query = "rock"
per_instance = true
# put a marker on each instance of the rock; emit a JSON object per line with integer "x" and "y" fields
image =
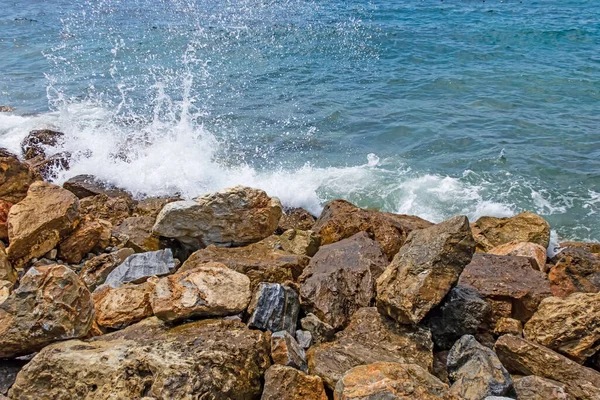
{"x": 304, "y": 243}
{"x": 533, "y": 251}
{"x": 140, "y": 266}
{"x": 295, "y": 218}
{"x": 370, "y": 337}
{"x": 440, "y": 370}
{"x": 231, "y": 217}
{"x": 259, "y": 262}
{"x": 570, "y": 326}
{"x": 388, "y": 380}
{"x": 8, "y": 373}
{"x": 490, "y": 232}
{"x": 425, "y": 269}
{"x": 209, "y": 290}
{"x": 575, "y": 270}
{"x": 7, "y": 272}
{"x": 341, "y": 277}
{"x": 136, "y": 233}
{"x": 112, "y": 209}
{"x": 274, "y": 307}
{"x": 151, "y": 206}
{"x": 15, "y": 177}
{"x": 592, "y": 247}
{"x": 96, "y": 270}
{"x": 39, "y": 222}
{"x": 36, "y": 142}
{"x": 214, "y": 359}
{"x": 6, "y": 109}
{"x": 536, "y": 388}
{"x": 4, "y": 209}
{"x": 50, "y": 304}
{"x": 476, "y": 371}
{"x": 286, "y": 351}
{"x": 304, "y": 338}
{"x": 523, "y": 357}
{"x": 508, "y": 283}
{"x": 119, "y": 307}
{"x": 90, "y": 234}
{"x": 320, "y": 331}
{"x": 88, "y": 185}
{"x": 341, "y": 219}
{"x": 286, "y": 383}
{"x": 48, "y": 168}
{"x": 510, "y": 326}
{"x": 5, "y": 288}
{"x": 461, "y": 313}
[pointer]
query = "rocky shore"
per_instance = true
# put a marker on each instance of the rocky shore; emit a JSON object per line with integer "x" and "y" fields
{"x": 231, "y": 296}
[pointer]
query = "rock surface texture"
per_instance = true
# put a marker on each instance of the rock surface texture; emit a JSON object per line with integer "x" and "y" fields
{"x": 534, "y": 252}
{"x": 535, "y": 388}
{"x": 136, "y": 233}
{"x": 15, "y": 177}
{"x": 575, "y": 270}
{"x": 84, "y": 186}
{"x": 89, "y": 235}
{"x": 138, "y": 267}
{"x": 286, "y": 351}
{"x": 305, "y": 243}
{"x": 286, "y": 383}
{"x": 96, "y": 270}
{"x": 490, "y": 232}
{"x": 274, "y": 308}
{"x": 119, "y": 307}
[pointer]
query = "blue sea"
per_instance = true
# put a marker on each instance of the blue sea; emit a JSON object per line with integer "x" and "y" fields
{"x": 432, "y": 108}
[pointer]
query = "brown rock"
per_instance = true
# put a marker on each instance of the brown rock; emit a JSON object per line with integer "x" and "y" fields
{"x": 119, "y": 307}
{"x": 296, "y": 218}
{"x": 7, "y": 272}
{"x": 39, "y": 222}
{"x": 533, "y": 251}
{"x": 341, "y": 219}
{"x": 370, "y": 337}
{"x": 84, "y": 186}
{"x": 511, "y": 286}
{"x": 90, "y": 234}
{"x": 508, "y": 326}
{"x": 388, "y": 380}
{"x": 425, "y": 270}
{"x": 286, "y": 351}
{"x": 304, "y": 243}
{"x": 5, "y": 288}
{"x": 35, "y": 143}
{"x": 341, "y": 277}
{"x": 4, "y": 209}
{"x": 592, "y": 247}
{"x": 136, "y": 233}
{"x": 286, "y": 383}
{"x": 15, "y": 177}
{"x": 575, "y": 270}
{"x": 50, "y": 304}
{"x": 112, "y": 209}
{"x": 151, "y": 206}
{"x": 320, "y": 331}
{"x": 523, "y": 357}
{"x": 536, "y": 388}
{"x": 96, "y": 270}
{"x": 490, "y": 232}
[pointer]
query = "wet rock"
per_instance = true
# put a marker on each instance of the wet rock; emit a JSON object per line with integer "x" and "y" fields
{"x": 90, "y": 234}
{"x": 39, "y": 222}
{"x": 96, "y": 270}
{"x": 274, "y": 307}
{"x": 35, "y": 143}
{"x": 462, "y": 312}
{"x": 304, "y": 338}
{"x": 112, "y": 209}
{"x": 216, "y": 359}
{"x": 387, "y": 380}
{"x": 490, "y": 232}
{"x": 536, "y": 388}
{"x": 305, "y": 243}
{"x": 534, "y": 252}
{"x": 370, "y": 337}
{"x": 6, "y": 109}
{"x": 570, "y": 325}
{"x": 231, "y": 217}
{"x": 592, "y": 247}
{"x": 151, "y": 206}
{"x": 136, "y": 233}
{"x": 4, "y": 209}
{"x": 575, "y": 270}
{"x": 8, "y": 373}
{"x": 523, "y": 357}
{"x": 476, "y": 371}
{"x": 286, "y": 351}
{"x": 140, "y": 266}
{"x": 341, "y": 277}
{"x": 209, "y": 290}
{"x": 119, "y": 307}
{"x": 7, "y": 272}
{"x": 320, "y": 331}
{"x": 508, "y": 283}
{"x": 15, "y": 177}
{"x": 341, "y": 219}
{"x": 506, "y": 326}
{"x": 88, "y": 185}
{"x": 425, "y": 269}
{"x": 286, "y": 383}
{"x": 48, "y": 168}
{"x": 295, "y": 218}
{"x": 50, "y": 304}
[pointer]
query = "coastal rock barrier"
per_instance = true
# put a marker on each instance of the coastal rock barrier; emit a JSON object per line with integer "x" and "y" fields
{"x": 233, "y": 296}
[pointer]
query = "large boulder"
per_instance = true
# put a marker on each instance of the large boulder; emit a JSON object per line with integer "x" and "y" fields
{"x": 426, "y": 268}
{"x": 533, "y": 251}
{"x": 341, "y": 278}
{"x": 341, "y": 219}
{"x": 50, "y": 304}
{"x": 35, "y": 143}
{"x": 39, "y": 222}
{"x": 231, "y": 217}
{"x": 575, "y": 270}
{"x": 523, "y": 357}
{"x": 119, "y": 307}
{"x": 490, "y": 232}
{"x": 112, "y": 209}
{"x": 536, "y": 388}
{"x": 15, "y": 177}
{"x": 388, "y": 380}
{"x": 4, "y": 209}
{"x": 214, "y": 359}
{"x": 287, "y": 383}
{"x": 508, "y": 283}
{"x": 274, "y": 307}
{"x": 88, "y": 185}
{"x": 90, "y": 234}
{"x": 96, "y": 270}
{"x": 136, "y": 233}
{"x": 570, "y": 326}
{"x": 140, "y": 266}
{"x": 370, "y": 337}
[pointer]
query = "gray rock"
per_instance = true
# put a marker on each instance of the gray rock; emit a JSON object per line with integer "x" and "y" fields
{"x": 285, "y": 350}
{"x": 304, "y": 338}
{"x": 84, "y": 186}
{"x": 138, "y": 267}
{"x": 320, "y": 331}
{"x": 274, "y": 307}
{"x": 8, "y": 373}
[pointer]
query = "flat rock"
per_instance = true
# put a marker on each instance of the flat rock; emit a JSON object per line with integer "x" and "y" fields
{"x": 136, "y": 233}
{"x": 341, "y": 278}
{"x": 286, "y": 383}
{"x": 305, "y": 243}
{"x": 84, "y": 186}
{"x": 119, "y": 307}
{"x": 574, "y": 270}
{"x": 490, "y": 232}
{"x": 35, "y": 142}
{"x": 320, "y": 331}
{"x": 96, "y": 270}
{"x": 534, "y": 252}
{"x": 112, "y": 209}
{"x": 285, "y": 350}
{"x": 536, "y": 388}
{"x": 15, "y": 177}
{"x": 90, "y": 234}
{"x": 426, "y": 268}
{"x": 140, "y": 266}
{"x": 274, "y": 307}
{"x": 4, "y": 209}
{"x": 296, "y": 218}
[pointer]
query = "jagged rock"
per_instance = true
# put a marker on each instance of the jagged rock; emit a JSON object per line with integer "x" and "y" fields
{"x": 508, "y": 326}
{"x": 575, "y": 270}
{"x": 536, "y": 388}
{"x": 90, "y": 234}
{"x": 48, "y": 168}
{"x": 476, "y": 371}
{"x": 209, "y": 290}
{"x": 341, "y": 219}
{"x": 286, "y": 351}
{"x": 286, "y": 383}
{"x": 534, "y": 252}
{"x": 592, "y": 247}
{"x": 305, "y": 243}
{"x": 304, "y": 338}
{"x": 508, "y": 283}
{"x": 231, "y": 217}
{"x": 370, "y": 337}
{"x": 140, "y": 266}
{"x": 341, "y": 277}
{"x": 320, "y": 331}
{"x": 96, "y": 270}
{"x": 388, "y": 380}
{"x": 136, "y": 233}
{"x": 490, "y": 232}
{"x": 119, "y": 307}
{"x": 39, "y": 222}
{"x": 151, "y": 206}
{"x": 258, "y": 261}
{"x": 425, "y": 269}
{"x": 461, "y": 313}
{"x": 50, "y": 304}
{"x": 295, "y": 218}
{"x": 274, "y": 307}
{"x": 7, "y": 272}
{"x": 523, "y": 357}
{"x": 88, "y": 185}
{"x": 570, "y": 326}
{"x": 4, "y": 209}
{"x": 217, "y": 359}
{"x": 112, "y": 209}
{"x": 8, "y": 373}
{"x": 35, "y": 143}
{"x": 15, "y": 177}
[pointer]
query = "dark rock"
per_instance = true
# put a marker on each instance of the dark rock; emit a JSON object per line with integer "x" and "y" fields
{"x": 274, "y": 308}
{"x": 286, "y": 351}
{"x": 574, "y": 270}
{"x": 439, "y": 366}
{"x": 286, "y": 383}
{"x": 140, "y": 266}
{"x": 295, "y": 218}
{"x": 84, "y": 186}
{"x": 8, "y": 373}
{"x": 15, "y": 177}
{"x": 48, "y": 168}
{"x": 35, "y": 143}
{"x": 320, "y": 331}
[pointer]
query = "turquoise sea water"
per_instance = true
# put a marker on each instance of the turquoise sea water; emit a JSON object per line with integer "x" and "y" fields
{"x": 434, "y": 108}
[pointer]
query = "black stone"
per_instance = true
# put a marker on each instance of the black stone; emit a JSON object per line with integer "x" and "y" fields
{"x": 276, "y": 308}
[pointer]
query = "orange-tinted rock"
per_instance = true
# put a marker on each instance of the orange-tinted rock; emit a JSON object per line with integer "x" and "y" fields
{"x": 4, "y": 209}
{"x": 592, "y": 247}
{"x": 286, "y": 383}
{"x": 7, "y": 272}
{"x": 533, "y": 251}
{"x": 15, "y": 177}
{"x": 96, "y": 270}
{"x": 490, "y": 232}
{"x": 575, "y": 270}
{"x": 90, "y": 234}
{"x": 119, "y": 307}
{"x": 112, "y": 209}
{"x": 136, "y": 233}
